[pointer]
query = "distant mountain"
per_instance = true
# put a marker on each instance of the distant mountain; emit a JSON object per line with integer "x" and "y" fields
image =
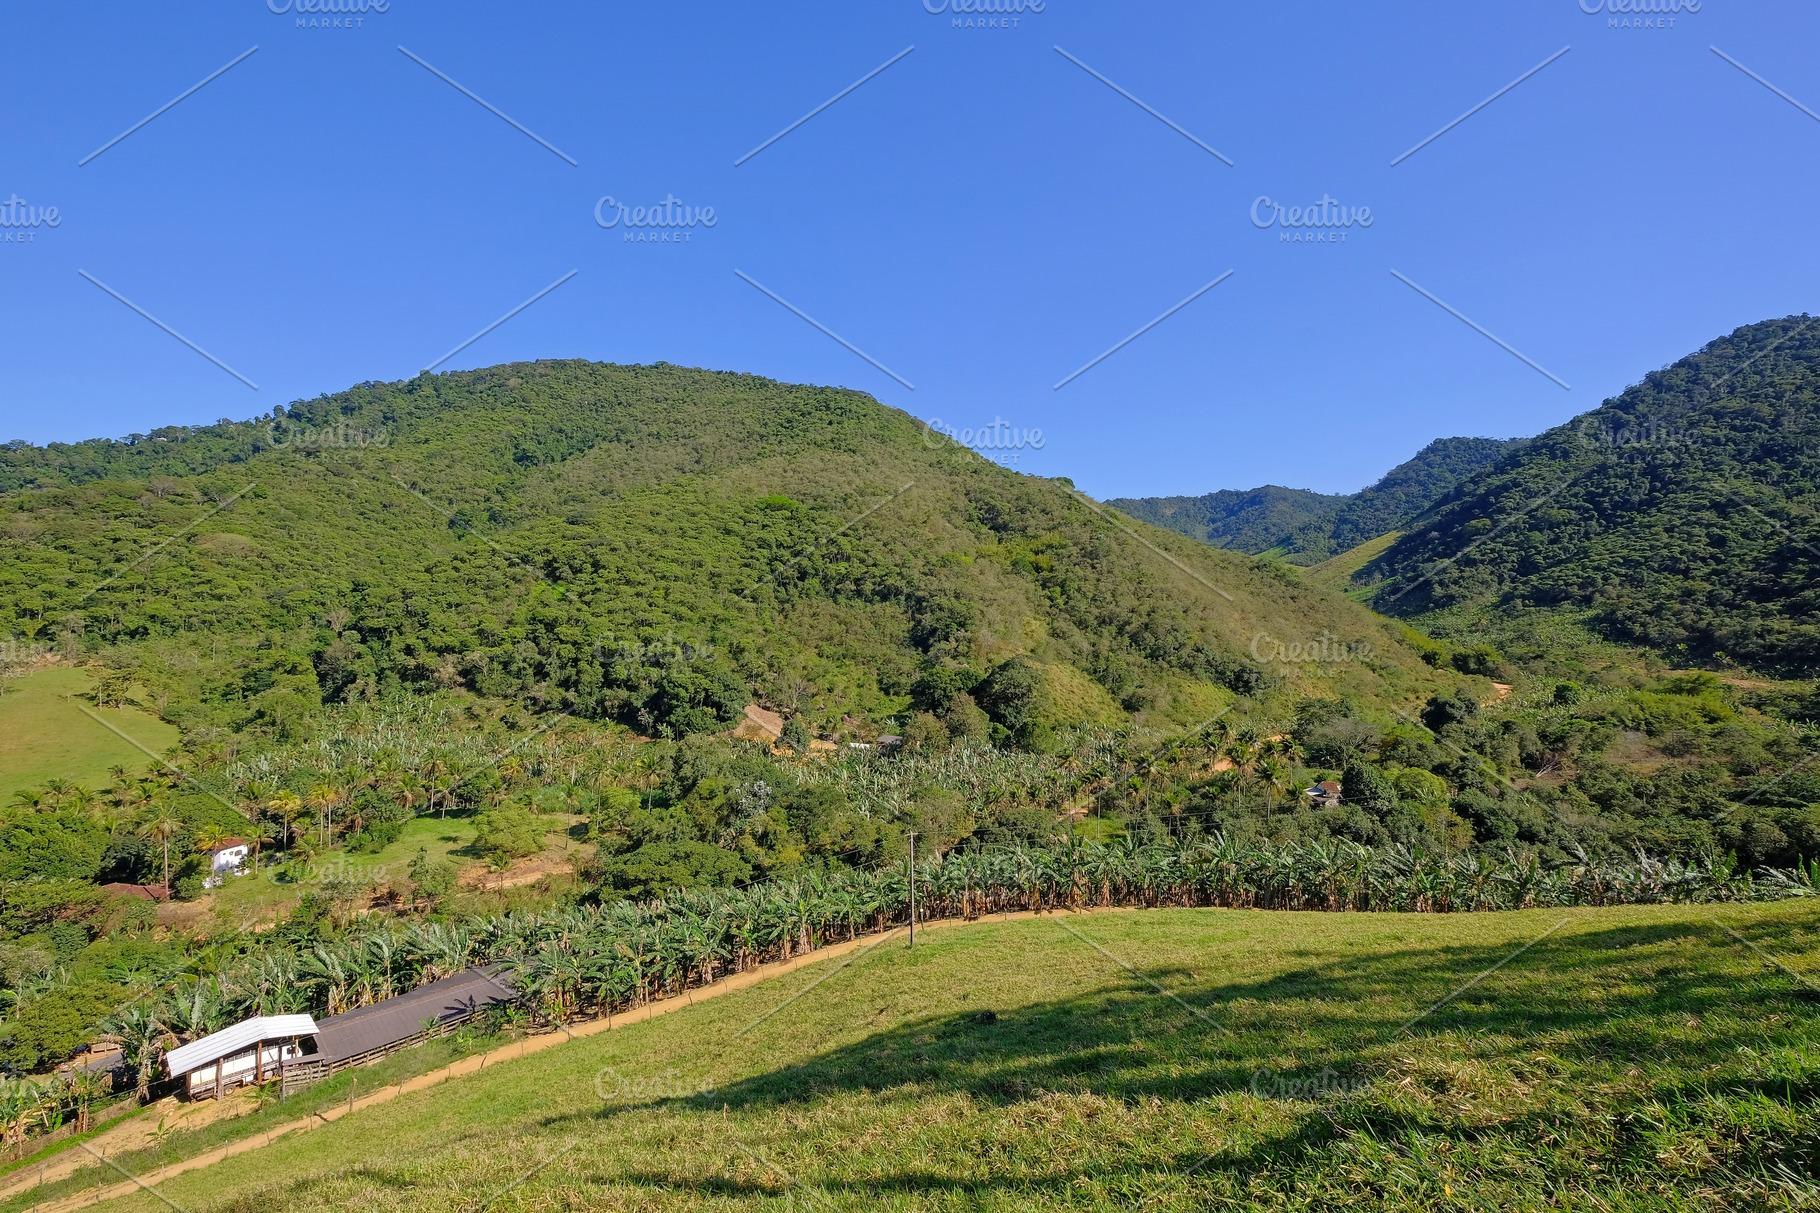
{"x": 1682, "y": 515}
{"x": 1308, "y": 527}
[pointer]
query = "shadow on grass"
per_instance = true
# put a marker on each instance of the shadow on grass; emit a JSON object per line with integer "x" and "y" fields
{"x": 1610, "y": 1003}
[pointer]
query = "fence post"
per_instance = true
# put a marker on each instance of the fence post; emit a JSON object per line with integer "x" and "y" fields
{"x": 911, "y": 834}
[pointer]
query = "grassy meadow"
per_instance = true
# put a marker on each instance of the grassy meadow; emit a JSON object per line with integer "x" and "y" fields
{"x": 1661, "y": 1057}
{"x": 45, "y": 735}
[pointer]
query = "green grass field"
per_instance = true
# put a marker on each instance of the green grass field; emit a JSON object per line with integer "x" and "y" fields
{"x": 45, "y": 735}
{"x": 1636, "y": 1058}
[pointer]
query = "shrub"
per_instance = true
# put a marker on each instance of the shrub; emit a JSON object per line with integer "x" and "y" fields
{"x": 506, "y": 833}
{"x": 659, "y": 868}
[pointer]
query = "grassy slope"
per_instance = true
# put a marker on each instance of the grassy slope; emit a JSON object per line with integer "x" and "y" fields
{"x": 44, "y": 735}
{"x": 1335, "y": 572}
{"x": 1638, "y": 1058}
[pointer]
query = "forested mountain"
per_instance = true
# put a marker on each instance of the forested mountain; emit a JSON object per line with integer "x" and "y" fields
{"x": 1307, "y": 527}
{"x": 654, "y": 545}
{"x": 1679, "y": 515}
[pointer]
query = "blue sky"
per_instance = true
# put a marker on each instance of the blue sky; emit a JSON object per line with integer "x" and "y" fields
{"x": 983, "y": 217}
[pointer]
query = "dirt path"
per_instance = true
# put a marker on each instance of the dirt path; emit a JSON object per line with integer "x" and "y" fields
{"x": 135, "y": 1132}
{"x": 106, "y": 1144}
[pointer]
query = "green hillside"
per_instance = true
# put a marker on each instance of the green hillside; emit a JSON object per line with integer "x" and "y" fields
{"x": 1307, "y": 527}
{"x": 651, "y": 545}
{"x": 1679, "y": 516}
{"x": 1644, "y": 1058}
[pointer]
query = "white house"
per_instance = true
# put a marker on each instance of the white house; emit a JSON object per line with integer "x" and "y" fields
{"x": 228, "y": 859}
{"x": 249, "y": 1052}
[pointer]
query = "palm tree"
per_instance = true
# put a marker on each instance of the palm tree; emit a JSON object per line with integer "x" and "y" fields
{"x": 263, "y": 832}
{"x": 164, "y": 827}
{"x": 141, "y": 1039}
{"x": 324, "y": 797}
{"x": 208, "y": 841}
{"x": 289, "y": 807}
{"x": 1278, "y": 778}
{"x": 409, "y": 786}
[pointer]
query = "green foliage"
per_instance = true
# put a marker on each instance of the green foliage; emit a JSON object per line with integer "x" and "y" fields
{"x": 660, "y": 868}
{"x": 434, "y": 879}
{"x": 52, "y": 1026}
{"x": 508, "y": 832}
{"x": 1011, "y": 696}
{"x": 53, "y": 846}
{"x": 1455, "y": 707}
{"x": 1679, "y": 515}
{"x": 654, "y": 546}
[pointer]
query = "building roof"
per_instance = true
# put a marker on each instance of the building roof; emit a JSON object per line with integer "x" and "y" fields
{"x": 228, "y": 844}
{"x": 386, "y": 1023}
{"x": 237, "y": 1039}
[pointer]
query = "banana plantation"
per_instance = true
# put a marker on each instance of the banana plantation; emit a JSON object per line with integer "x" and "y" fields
{"x": 595, "y": 960}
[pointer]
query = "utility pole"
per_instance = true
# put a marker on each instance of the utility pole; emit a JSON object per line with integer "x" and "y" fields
{"x": 912, "y": 837}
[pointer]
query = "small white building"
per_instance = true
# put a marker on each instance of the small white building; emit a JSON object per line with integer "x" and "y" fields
{"x": 227, "y": 859}
{"x": 249, "y": 1052}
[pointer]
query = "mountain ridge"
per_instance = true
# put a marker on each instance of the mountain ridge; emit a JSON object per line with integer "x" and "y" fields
{"x": 1306, "y": 527}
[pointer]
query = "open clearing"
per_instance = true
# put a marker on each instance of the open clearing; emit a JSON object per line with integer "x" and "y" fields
{"x": 45, "y": 735}
{"x": 1634, "y": 1058}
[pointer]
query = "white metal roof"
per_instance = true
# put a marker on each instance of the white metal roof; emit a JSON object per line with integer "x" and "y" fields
{"x": 237, "y": 1039}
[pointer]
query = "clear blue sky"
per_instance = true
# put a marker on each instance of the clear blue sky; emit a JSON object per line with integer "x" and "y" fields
{"x": 983, "y": 217}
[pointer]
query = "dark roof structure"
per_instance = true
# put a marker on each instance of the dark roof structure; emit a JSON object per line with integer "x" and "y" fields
{"x": 340, "y": 1037}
